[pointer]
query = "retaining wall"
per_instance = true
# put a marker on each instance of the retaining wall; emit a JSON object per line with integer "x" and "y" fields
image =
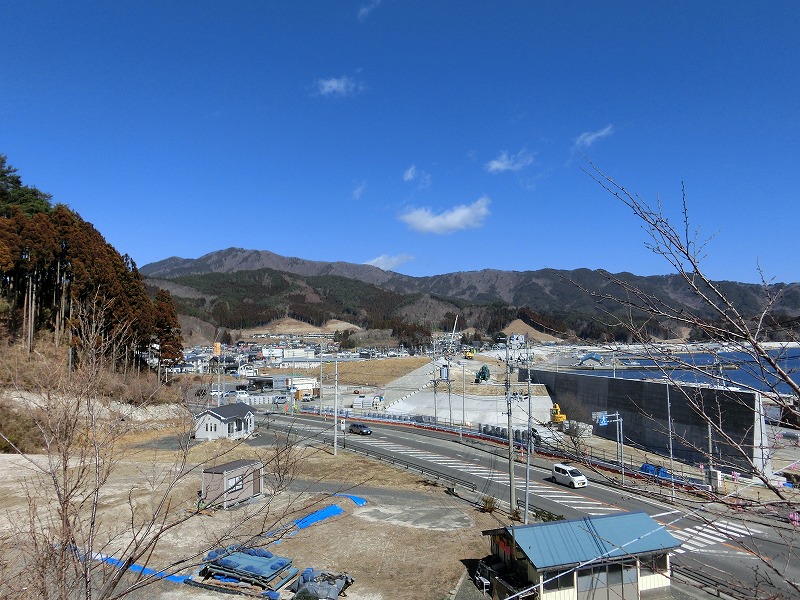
{"x": 644, "y": 405}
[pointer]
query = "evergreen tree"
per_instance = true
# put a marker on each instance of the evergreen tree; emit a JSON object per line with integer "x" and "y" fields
{"x": 13, "y": 194}
{"x": 167, "y": 330}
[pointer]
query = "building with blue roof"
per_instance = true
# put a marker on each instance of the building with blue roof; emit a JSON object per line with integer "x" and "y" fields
{"x": 614, "y": 556}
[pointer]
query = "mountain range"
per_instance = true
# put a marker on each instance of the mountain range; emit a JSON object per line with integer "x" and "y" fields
{"x": 319, "y": 290}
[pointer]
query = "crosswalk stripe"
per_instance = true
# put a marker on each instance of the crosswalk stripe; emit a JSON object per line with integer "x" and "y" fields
{"x": 711, "y": 536}
{"x": 736, "y": 529}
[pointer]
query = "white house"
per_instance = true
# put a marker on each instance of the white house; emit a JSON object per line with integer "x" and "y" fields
{"x": 232, "y": 421}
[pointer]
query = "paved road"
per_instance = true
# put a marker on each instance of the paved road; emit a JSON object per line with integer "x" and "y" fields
{"x": 712, "y": 541}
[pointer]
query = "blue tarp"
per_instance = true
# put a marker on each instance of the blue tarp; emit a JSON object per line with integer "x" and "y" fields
{"x": 357, "y": 500}
{"x": 261, "y": 568}
{"x": 315, "y": 517}
{"x": 144, "y": 570}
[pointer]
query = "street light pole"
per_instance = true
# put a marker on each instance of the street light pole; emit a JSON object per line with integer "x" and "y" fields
{"x": 463, "y": 402}
{"x": 617, "y": 418}
{"x": 669, "y": 429}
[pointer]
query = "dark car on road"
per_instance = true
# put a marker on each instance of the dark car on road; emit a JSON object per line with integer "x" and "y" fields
{"x": 359, "y": 428}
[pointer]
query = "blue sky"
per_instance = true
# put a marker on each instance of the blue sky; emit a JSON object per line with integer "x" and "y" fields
{"x": 423, "y": 137}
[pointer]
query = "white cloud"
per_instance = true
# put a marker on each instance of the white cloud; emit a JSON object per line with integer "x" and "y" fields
{"x": 504, "y": 162}
{"x": 387, "y": 263}
{"x": 587, "y": 138}
{"x": 422, "y": 178}
{"x": 366, "y": 9}
{"x": 338, "y": 86}
{"x": 457, "y": 218}
{"x": 359, "y": 190}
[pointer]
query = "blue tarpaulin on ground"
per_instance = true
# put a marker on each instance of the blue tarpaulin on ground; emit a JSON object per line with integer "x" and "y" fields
{"x": 358, "y": 501}
{"x": 315, "y": 517}
{"x": 140, "y": 569}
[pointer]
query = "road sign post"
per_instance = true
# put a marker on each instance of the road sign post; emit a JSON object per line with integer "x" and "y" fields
{"x": 602, "y": 421}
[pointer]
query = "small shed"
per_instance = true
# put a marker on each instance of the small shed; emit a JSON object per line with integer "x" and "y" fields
{"x": 231, "y": 421}
{"x": 614, "y": 556}
{"x": 233, "y": 482}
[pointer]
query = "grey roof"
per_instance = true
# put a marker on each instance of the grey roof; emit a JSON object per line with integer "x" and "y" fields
{"x": 561, "y": 543}
{"x": 230, "y": 411}
{"x": 234, "y": 465}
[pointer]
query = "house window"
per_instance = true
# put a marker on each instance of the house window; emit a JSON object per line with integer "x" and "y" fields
{"x": 235, "y": 483}
{"x": 630, "y": 573}
{"x": 558, "y": 580}
{"x": 206, "y": 426}
{"x": 658, "y": 563}
{"x": 608, "y": 581}
{"x": 230, "y": 428}
{"x": 614, "y": 575}
{"x": 592, "y": 579}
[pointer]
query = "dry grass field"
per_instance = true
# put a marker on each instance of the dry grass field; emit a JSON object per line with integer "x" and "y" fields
{"x": 372, "y": 373}
{"x": 408, "y": 541}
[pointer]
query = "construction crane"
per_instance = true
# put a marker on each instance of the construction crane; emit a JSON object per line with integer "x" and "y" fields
{"x": 451, "y": 344}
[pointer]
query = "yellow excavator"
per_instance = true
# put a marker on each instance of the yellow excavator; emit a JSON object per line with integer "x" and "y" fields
{"x": 469, "y": 353}
{"x": 556, "y": 416}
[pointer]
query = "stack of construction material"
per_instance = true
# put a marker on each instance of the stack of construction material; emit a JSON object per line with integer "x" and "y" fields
{"x": 255, "y": 566}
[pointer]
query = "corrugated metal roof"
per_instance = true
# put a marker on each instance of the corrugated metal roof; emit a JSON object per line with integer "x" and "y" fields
{"x": 232, "y": 466}
{"x": 230, "y": 411}
{"x": 560, "y": 543}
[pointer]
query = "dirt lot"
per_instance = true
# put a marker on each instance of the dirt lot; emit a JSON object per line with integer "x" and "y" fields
{"x": 408, "y": 541}
{"x": 369, "y": 373}
{"x": 372, "y": 373}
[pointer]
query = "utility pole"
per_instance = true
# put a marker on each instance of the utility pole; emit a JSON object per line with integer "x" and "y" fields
{"x": 435, "y": 385}
{"x": 219, "y": 374}
{"x": 449, "y": 395}
{"x": 528, "y": 437}
{"x": 442, "y": 374}
{"x": 511, "y": 482}
{"x": 336, "y": 404}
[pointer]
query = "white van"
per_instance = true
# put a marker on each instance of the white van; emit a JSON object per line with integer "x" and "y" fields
{"x": 567, "y": 475}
